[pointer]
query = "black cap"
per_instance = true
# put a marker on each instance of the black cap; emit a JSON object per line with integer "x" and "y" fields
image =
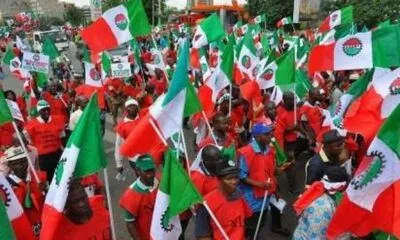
{"x": 227, "y": 167}
{"x": 332, "y": 136}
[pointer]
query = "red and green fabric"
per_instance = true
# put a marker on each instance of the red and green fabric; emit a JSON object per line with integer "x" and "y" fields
{"x": 336, "y": 18}
{"x": 180, "y": 100}
{"x": 220, "y": 79}
{"x": 209, "y": 30}
{"x": 116, "y": 26}
{"x": 15, "y": 64}
{"x": 279, "y": 72}
{"x": 83, "y": 155}
{"x": 248, "y": 57}
{"x": 362, "y": 50}
{"x": 12, "y": 215}
{"x": 176, "y": 194}
{"x": 372, "y": 196}
{"x": 370, "y": 110}
{"x": 284, "y": 21}
{"x": 354, "y": 92}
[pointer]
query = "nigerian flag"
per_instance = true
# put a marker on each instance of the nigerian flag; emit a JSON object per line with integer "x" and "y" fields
{"x": 180, "y": 101}
{"x": 83, "y": 156}
{"x": 209, "y": 30}
{"x": 176, "y": 194}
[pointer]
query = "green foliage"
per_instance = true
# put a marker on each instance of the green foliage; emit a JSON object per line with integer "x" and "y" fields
{"x": 366, "y": 12}
{"x": 74, "y": 16}
{"x": 275, "y": 10}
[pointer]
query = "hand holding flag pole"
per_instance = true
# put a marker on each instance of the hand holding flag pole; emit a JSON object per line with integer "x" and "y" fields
{"x": 262, "y": 211}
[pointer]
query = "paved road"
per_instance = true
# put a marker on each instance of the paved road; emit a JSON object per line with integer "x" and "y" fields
{"x": 117, "y": 187}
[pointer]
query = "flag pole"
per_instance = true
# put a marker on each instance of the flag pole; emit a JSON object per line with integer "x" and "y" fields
{"x": 209, "y": 126}
{"x": 262, "y": 211}
{"x": 28, "y": 157}
{"x": 158, "y": 132}
{"x": 230, "y": 99}
{"x": 185, "y": 152}
{"x": 214, "y": 218}
{"x": 109, "y": 203}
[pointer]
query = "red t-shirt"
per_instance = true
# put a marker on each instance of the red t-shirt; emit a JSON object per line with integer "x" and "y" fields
{"x": 6, "y": 136}
{"x": 130, "y": 91}
{"x": 284, "y": 120}
{"x": 125, "y": 128}
{"x": 98, "y": 227}
{"x": 160, "y": 86}
{"x": 46, "y": 136}
{"x": 230, "y": 214}
{"x": 205, "y": 184}
{"x": 114, "y": 86}
{"x": 140, "y": 205}
{"x": 57, "y": 106}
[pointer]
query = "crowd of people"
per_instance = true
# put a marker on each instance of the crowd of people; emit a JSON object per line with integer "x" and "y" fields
{"x": 240, "y": 188}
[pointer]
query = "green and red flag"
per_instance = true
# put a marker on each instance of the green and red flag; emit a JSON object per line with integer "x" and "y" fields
{"x": 372, "y": 196}
{"x": 83, "y": 155}
{"x": 116, "y": 26}
{"x": 336, "y": 18}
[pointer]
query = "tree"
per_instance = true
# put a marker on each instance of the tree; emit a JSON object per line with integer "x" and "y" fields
{"x": 74, "y": 16}
{"x": 366, "y": 12}
{"x": 275, "y": 10}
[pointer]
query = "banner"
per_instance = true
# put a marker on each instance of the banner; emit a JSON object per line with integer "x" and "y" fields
{"x": 121, "y": 70}
{"x": 35, "y": 62}
{"x": 14, "y": 109}
{"x": 95, "y": 9}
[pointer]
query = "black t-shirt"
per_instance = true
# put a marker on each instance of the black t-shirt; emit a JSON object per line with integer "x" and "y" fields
{"x": 317, "y": 167}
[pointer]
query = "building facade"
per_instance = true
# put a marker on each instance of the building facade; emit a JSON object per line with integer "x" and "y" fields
{"x": 9, "y": 8}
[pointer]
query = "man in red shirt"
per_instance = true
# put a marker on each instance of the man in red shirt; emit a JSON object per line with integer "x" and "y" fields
{"x": 84, "y": 218}
{"x": 58, "y": 101}
{"x": 287, "y": 132}
{"x": 115, "y": 96}
{"x": 139, "y": 199}
{"x": 159, "y": 82}
{"x": 45, "y": 133}
{"x": 227, "y": 204}
{"x": 203, "y": 170}
{"x": 26, "y": 189}
{"x": 124, "y": 128}
{"x": 220, "y": 129}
